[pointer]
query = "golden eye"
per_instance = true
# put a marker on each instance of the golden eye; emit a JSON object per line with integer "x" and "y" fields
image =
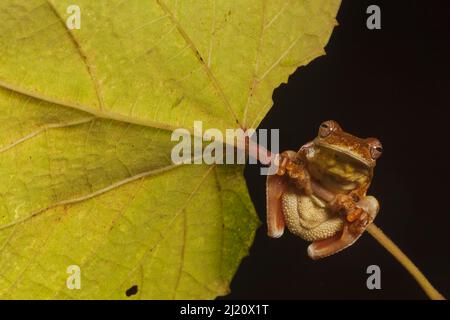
{"x": 327, "y": 127}
{"x": 376, "y": 149}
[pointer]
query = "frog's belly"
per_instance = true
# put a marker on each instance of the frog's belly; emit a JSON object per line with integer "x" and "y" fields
{"x": 306, "y": 219}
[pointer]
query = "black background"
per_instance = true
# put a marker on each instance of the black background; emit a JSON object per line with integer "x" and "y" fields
{"x": 393, "y": 84}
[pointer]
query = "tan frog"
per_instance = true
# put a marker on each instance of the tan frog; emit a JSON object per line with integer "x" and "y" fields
{"x": 319, "y": 192}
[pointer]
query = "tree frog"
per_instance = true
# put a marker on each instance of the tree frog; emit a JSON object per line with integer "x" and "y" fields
{"x": 319, "y": 192}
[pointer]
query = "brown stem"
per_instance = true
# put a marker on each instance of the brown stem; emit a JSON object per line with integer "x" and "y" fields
{"x": 398, "y": 254}
{"x": 260, "y": 153}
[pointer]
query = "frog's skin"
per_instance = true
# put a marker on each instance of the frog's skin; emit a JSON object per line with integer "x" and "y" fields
{"x": 319, "y": 192}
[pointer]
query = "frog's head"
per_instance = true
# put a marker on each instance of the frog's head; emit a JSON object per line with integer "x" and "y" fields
{"x": 341, "y": 159}
{"x": 331, "y": 136}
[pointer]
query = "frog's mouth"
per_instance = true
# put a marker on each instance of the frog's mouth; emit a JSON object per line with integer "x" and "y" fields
{"x": 340, "y": 150}
{"x": 337, "y": 181}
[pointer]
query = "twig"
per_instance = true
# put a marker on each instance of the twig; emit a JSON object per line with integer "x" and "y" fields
{"x": 398, "y": 254}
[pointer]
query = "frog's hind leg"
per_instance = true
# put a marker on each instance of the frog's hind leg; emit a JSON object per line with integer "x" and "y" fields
{"x": 350, "y": 233}
{"x": 308, "y": 217}
{"x": 290, "y": 168}
{"x": 275, "y": 187}
{"x": 327, "y": 247}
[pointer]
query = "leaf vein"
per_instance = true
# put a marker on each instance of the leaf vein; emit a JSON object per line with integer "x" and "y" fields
{"x": 89, "y": 66}
{"x": 91, "y": 195}
{"x": 254, "y": 80}
{"x": 43, "y": 129}
{"x": 212, "y": 78}
{"x": 163, "y": 233}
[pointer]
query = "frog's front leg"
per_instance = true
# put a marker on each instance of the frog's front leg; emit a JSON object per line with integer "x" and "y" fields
{"x": 368, "y": 208}
{"x": 292, "y": 164}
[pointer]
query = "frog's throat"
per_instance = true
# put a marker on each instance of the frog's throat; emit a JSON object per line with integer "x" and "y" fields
{"x": 346, "y": 152}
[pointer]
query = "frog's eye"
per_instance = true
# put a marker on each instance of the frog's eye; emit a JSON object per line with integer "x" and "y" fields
{"x": 376, "y": 149}
{"x": 327, "y": 127}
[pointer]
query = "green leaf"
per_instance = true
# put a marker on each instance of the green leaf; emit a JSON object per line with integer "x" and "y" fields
{"x": 86, "y": 118}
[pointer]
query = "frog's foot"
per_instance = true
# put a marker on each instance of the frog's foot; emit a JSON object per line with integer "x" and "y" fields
{"x": 345, "y": 204}
{"x": 354, "y": 214}
{"x": 351, "y": 232}
{"x": 294, "y": 168}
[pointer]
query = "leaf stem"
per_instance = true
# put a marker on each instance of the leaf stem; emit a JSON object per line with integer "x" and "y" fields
{"x": 398, "y": 254}
{"x": 265, "y": 156}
